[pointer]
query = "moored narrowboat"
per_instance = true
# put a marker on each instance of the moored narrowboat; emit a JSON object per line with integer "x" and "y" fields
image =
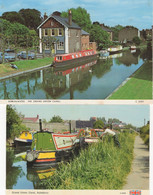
{"x": 115, "y": 49}
{"x": 48, "y": 149}
{"x": 25, "y": 139}
{"x": 66, "y": 59}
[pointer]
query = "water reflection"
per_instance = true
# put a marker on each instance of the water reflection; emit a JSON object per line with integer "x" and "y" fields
{"x": 93, "y": 80}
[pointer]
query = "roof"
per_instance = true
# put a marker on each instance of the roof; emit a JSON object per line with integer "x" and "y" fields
{"x": 32, "y": 119}
{"x": 63, "y": 21}
{"x": 105, "y": 28}
{"x": 84, "y": 32}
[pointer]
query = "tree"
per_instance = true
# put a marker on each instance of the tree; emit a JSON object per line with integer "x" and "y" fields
{"x": 56, "y": 119}
{"x": 80, "y": 16}
{"x": 144, "y": 133}
{"x": 137, "y": 40}
{"x": 99, "y": 124}
{"x": 99, "y": 36}
{"x": 14, "y": 123}
{"x": 13, "y": 17}
{"x": 49, "y": 41}
{"x": 32, "y": 17}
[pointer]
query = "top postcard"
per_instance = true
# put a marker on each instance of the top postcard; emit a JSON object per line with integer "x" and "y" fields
{"x": 76, "y": 49}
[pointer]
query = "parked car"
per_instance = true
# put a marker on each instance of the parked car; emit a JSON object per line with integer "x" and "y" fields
{"x": 23, "y": 55}
{"x": 7, "y": 57}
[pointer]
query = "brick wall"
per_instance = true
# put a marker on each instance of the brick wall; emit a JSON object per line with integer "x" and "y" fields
{"x": 84, "y": 42}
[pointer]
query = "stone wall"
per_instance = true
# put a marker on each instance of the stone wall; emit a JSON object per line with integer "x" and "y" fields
{"x": 52, "y": 127}
{"x": 74, "y": 40}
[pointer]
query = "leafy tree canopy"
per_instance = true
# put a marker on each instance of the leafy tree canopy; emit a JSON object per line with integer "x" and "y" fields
{"x": 14, "y": 126}
{"x": 32, "y": 17}
{"x": 137, "y": 40}
{"x": 99, "y": 124}
{"x": 13, "y": 17}
{"x": 80, "y": 16}
{"x": 56, "y": 119}
{"x": 99, "y": 36}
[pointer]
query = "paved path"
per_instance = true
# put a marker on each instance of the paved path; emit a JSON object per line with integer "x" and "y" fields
{"x": 139, "y": 176}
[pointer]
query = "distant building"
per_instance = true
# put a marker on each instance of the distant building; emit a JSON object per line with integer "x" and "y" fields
{"x": 31, "y": 119}
{"x": 108, "y": 30}
{"x": 85, "y": 123}
{"x": 146, "y": 34}
{"x": 128, "y": 33}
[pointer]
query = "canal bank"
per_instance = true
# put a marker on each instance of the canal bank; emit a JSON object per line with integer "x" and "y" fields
{"x": 24, "y": 67}
{"x": 137, "y": 86}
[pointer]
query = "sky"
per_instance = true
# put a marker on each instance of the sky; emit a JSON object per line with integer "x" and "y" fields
{"x": 131, "y": 114}
{"x": 110, "y": 12}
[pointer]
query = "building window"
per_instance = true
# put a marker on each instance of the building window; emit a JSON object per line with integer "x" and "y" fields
{"x": 46, "y": 32}
{"x": 53, "y": 32}
{"x": 60, "y": 46}
{"x": 47, "y": 47}
{"x": 77, "y": 33}
{"x": 59, "y": 32}
{"x": 52, "y": 23}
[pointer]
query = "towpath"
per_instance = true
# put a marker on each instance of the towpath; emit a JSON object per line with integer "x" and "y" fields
{"x": 139, "y": 176}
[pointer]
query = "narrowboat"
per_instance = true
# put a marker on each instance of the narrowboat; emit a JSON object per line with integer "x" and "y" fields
{"x": 103, "y": 54}
{"x": 25, "y": 139}
{"x": 115, "y": 49}
{"x": 132, "y": 47}
{"x": 67, "y": 59}
{"x": 48, "y": 149}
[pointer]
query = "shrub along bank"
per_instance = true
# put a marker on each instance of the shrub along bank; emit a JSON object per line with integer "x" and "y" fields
{"x": 101, "y": 166}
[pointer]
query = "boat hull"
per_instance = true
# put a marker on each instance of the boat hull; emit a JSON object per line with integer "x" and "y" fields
{"x": 51, "y": 158}
{"x": 22, "y": 143}
{"x": 71, "y": 62}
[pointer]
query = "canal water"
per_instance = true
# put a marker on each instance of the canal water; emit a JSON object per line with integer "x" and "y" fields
{"x": 19, "y": 176}
{"x": 94, "y": 80}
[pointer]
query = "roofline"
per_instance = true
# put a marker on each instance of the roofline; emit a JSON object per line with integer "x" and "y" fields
{"x": 48, "y": 19}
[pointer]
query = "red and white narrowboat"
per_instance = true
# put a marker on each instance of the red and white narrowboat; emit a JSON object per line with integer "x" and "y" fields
{"x": 67, "y": 59}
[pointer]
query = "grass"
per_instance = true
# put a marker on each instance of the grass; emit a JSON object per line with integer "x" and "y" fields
{"x": 101, "y": 166}
{"x": 24, "y": 65}
{"x": 139, "y": 86}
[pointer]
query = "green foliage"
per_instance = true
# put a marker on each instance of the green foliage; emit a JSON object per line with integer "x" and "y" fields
{"x": 28, "y": 17}
{"x": 13, "y": 17}
{"x": 99, "y": 124}
{"x": 99, "y": 36}
{"x": 80, "y": 16}
{"x": 100, "y": 166}
{"x": 144, "y": 133}
{"x": 14, "y": 126}
{"x": 136, "y": 40}
{"x": 32, "y": 17}
{"x": 56, "y": 119}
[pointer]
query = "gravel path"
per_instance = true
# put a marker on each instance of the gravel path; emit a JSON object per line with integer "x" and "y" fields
{"x": 139, "y": 176}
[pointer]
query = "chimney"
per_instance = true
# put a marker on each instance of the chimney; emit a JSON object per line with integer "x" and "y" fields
{"x": 37, "y": 116}
{"x": 70, "y": 17}
{"x": 45, "y": 16}
{"x": 40, "y": 125}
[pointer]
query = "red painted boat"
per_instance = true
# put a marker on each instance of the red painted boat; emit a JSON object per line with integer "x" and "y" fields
{"x": 66, "y": 59}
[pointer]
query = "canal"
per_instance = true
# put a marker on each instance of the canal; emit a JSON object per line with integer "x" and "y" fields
{"x": 94, "y": 80}
{"x": 19, "y": 176}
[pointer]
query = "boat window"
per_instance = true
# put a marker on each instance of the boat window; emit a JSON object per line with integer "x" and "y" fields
{"x": 80, "y": 54}
{"x": 59, "y": 57}
{"x": 72, "y": 56}
{"x": 77, "y": 55}
{"x": 26, "y": 134}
